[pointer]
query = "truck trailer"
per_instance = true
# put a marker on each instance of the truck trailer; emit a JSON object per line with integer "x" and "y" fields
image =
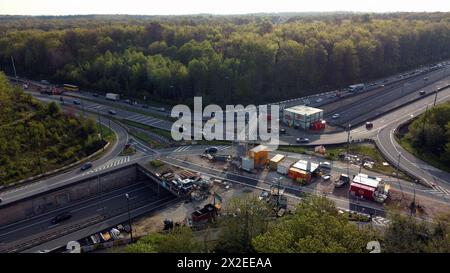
{"x": 112, "y": 96}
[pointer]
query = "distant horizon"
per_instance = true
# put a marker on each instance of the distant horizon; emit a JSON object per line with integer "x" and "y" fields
{"x": 219, "y": 14}
{"x": 215, "y": 7}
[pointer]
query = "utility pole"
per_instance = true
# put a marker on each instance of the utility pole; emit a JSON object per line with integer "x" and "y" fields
{"x": 348, "y": 148}
{"x": 413, "y": 205}
{"x": 278, "y": 192}
{"x": 14, "y": 68}
{"x": 99, "y": 124}
{"x": 129, "y": 216}
{"x": 435, "y": 97}
{"x": 423, "y": 125}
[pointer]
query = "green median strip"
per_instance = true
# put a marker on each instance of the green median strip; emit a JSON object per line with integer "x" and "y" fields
{"x": 127, "y": 108}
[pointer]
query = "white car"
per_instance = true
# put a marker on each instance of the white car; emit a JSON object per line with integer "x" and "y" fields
{"x": 335, "y": 116}
{"x": 319, "y": 100}
{"x": 325, "y": 165}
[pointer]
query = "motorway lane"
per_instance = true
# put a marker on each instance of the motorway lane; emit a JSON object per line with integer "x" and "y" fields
{"x": 360, "y": 132}
{"x": 329, "y": 102}
{"x": 121, "y": 113}
{"x": 367, "y": 108}
{"x": 92, "y": 207}
{"x": 98, "y": 209}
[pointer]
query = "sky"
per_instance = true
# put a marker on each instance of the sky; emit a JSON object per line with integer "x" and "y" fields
{"x": 179, "y": 7}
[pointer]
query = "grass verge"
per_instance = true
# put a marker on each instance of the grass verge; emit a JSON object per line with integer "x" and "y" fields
{"x": 431, "y": 159}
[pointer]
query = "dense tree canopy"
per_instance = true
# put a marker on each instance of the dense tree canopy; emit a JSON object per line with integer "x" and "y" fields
{"x": 35, "y": 138}
{"x": 254, "y": 58}
{"x": 408, "y": 235}
{"x": 178, "y": 240}
{"x": 429, "y": 135}
{"x": 316, "y": 226}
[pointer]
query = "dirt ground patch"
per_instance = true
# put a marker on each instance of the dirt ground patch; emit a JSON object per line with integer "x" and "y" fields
{"x": 425, "y": 208}
{"x": 180, "y": 211}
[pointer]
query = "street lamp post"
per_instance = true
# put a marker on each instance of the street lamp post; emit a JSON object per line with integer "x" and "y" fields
{"x": 348, "y": 147}
{"x": 129, "y": 216}
{"x": 99, "y": 123}
{"x": 435, "y": 97}
{"x": 397, "y": 172}
{"x": 423, "y": 124}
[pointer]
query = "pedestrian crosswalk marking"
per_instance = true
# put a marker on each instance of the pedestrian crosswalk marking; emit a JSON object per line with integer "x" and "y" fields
{"x": 112, "y": 163}
{"x": 182, "y": 148}
{"x": 144, "y": 119}
{"x": 381, "y": 221}
{"x": 438, "y": 190}
{"x": 186, "y": 148}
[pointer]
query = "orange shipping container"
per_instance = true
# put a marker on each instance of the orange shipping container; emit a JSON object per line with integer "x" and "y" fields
{"x": 295, "y": 174}
{"x": 260, "y": 155}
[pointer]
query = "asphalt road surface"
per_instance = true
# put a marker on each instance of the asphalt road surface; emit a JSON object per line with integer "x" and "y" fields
{"x": 94, "y": 210}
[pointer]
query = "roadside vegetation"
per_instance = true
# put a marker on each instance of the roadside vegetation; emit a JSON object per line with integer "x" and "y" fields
{"x": 428, "y": 137}
{"x": 315, "y": 226}
{"x": 248, "y": 225}
{"x": 158, "y": 131}
{"x": 225, "y": 59}
{"x": 35, "y": 138}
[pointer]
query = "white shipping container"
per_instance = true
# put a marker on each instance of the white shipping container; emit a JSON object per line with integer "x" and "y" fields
{"x": 247, "y": 163}
{"x": 284, "y": 166}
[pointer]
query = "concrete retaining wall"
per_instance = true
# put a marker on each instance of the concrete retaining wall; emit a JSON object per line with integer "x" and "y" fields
{"x": 86, "y": 188}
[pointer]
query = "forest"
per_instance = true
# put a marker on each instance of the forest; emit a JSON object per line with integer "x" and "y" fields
{"x": 255, "y": 58}
{"x": 35, "y": 138}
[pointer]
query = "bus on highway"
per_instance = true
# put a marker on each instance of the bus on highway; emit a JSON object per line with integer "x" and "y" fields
{"x": 70, "y": 87}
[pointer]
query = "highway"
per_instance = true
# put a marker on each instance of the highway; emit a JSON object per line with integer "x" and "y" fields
{"x": 382, "y": 100}
{"x": 399, "y": 93}
{"x": 404, "y": 98}
{"x": 99, "y": 209}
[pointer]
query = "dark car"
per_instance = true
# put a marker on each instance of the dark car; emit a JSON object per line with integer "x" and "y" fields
{"x": 86, "y": 166}
{"x": 61, "y": 217}
{"x": 94, "y": 94}
{"x": 422, "y": 92}
{"x": 369, "y": 125}
{"x": 282, "y": 131}
{"x": 144, "y": 106}
{"x": 112, "y": 112}
{"x": 77, "y": 102}
{"x": 211, "y": 150}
